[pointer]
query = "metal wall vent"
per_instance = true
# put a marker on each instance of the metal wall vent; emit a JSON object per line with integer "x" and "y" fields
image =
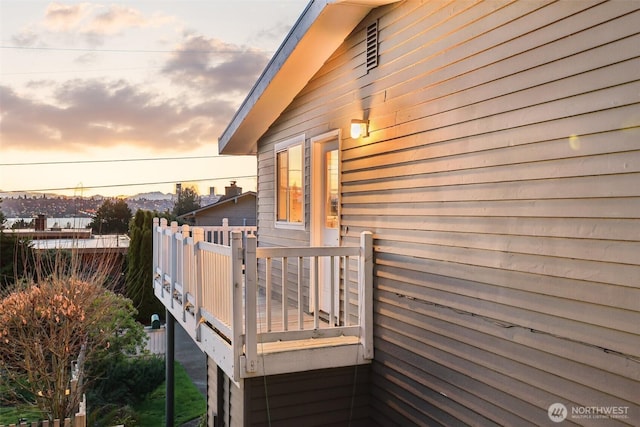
{"x": 372, "y": 45}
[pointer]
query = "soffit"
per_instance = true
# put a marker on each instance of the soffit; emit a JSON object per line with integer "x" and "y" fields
{"x": 319, "y": 31}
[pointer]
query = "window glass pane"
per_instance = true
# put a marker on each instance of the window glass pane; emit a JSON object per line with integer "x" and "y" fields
{"x": 296, "y": 193}
{"x": 282, "y": 179}
{"x": 331, "y": 194}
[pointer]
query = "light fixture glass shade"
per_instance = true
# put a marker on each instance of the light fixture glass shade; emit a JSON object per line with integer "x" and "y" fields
{"x": 359, "y": 128}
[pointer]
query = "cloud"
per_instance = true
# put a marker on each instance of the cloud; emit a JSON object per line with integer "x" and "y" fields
{"x": 215, "y": 67}
{"x": 62, "y": 17}
{"x": 99, "y": 113}
{"x": 25, "y": 38}
{"x": 94, "y": 22}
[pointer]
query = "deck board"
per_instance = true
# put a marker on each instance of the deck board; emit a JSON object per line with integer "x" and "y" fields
{"x": 277, "y": 322}
{"x": 282, "y": 346}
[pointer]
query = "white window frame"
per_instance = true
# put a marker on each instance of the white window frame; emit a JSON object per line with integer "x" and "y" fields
{"x": 278, "y": 148}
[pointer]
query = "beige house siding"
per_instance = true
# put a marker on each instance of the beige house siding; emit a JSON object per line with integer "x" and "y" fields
{"x": 225, "y": 400}
{"x": 501, "y": 182}
{"x": 337, "y": 397}
{"x": 212, "y": 392}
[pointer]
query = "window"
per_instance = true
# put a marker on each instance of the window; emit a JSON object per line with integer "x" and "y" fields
{"x": 290, "y": 183}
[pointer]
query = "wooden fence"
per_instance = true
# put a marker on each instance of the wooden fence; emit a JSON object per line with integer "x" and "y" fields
{"x": 79, "y": 420}
{"x": 157, "y": 342}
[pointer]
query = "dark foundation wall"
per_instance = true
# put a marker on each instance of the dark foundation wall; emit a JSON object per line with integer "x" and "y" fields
{"x": 326, "y": 397}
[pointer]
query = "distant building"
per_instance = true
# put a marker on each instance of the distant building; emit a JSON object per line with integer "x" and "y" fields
{"x": 41, "y": 222}
{"x": 238, "y": 207}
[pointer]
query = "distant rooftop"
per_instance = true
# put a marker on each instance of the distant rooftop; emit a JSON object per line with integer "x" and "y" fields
{"x": 102, "y": 243}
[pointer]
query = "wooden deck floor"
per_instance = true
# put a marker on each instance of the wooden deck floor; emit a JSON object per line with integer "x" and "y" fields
{"x": 277, "y": 317}
{"x": 278, "y": 351}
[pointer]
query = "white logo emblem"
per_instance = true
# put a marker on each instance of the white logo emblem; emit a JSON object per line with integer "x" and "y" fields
{"x": 557, "y": 412}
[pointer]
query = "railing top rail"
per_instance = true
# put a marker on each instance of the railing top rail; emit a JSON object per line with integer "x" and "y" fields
{"x": 307, "y": 251}
{"x": 226, "y": 227}
{"x": 213, "y": 248}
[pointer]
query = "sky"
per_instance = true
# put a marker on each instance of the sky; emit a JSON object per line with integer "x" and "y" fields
{"x": 96, "y": 96}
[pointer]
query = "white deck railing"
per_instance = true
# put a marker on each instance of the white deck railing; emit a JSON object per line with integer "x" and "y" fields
{"x": 254, "y": 296}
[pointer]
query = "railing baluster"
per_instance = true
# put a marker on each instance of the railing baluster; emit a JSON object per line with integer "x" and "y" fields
{"x": 267, "y": 297}
{"x": 285, "y": 311}
{"x": 332, "y": 290}
{"x": 346, "y": 291}
{"x": 316, "y": 295}
{"x": 300, "y": 307}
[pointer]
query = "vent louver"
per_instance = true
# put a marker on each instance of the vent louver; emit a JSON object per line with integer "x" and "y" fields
{"x": 372, "y": 45}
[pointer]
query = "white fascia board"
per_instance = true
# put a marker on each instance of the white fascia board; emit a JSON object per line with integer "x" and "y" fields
{"x": 319, "y": 31}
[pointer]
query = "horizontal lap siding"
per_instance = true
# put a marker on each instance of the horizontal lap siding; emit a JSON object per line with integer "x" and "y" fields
{"x": 213, "y": 410}
{"x": 501, "y": 183}
{"x": 327, "y": 397}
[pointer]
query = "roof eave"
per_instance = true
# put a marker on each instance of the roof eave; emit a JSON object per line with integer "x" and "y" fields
{"x": 299, "y": 57}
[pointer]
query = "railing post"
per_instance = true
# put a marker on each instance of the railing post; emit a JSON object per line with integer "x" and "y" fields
{"x": 173, "y": 260}
{"x": 365, "y": 293}
{"x": 156, "y": 252}
{"x": 183, "y": 273}
{"x": 225, "y": 231}
{"x": 236, "y": 301}
{"x": 161, "y": 251}
{"x": 198, "y": 236}
{"x": 80, "y": 418}
{"x": 250, "y": 316}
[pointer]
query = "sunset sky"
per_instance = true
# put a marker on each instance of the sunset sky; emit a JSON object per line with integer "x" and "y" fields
{"x": 84, "y": 82}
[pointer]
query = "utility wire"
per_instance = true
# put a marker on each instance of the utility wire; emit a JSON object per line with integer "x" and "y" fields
{"x": 81, "y": 49}
{"x": 94, "y": 70}
{"x": 149, "y": 159}
{"x": 93, "y": 187}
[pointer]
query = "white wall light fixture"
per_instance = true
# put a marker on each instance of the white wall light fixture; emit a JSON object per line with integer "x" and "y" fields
{"x": 359, "y": 128}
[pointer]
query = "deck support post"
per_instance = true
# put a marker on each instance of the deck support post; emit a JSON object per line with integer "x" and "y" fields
{"x": 169, "y": 360}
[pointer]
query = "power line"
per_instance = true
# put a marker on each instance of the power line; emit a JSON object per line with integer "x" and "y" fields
{"x": 94, "y": 70}
{"x": 149, "y": 159}
{"x": 93, "y": 187}
{"x": 81, "y": 49}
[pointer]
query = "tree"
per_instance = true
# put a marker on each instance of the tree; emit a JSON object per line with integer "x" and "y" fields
{"x": 187, "y": 201}
{"x": 3, "y": 218}
{"x": 138, "y": 284}
{"x": 22, "y": 224}
{"x": 15, "y": 254}
{"x": 112, "y": 217}
{"x": 48, "y": 322}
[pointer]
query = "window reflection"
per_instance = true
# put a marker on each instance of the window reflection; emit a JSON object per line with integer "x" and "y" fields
{"x": 331, "y": 192}
{"x": 290, "y": 194}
